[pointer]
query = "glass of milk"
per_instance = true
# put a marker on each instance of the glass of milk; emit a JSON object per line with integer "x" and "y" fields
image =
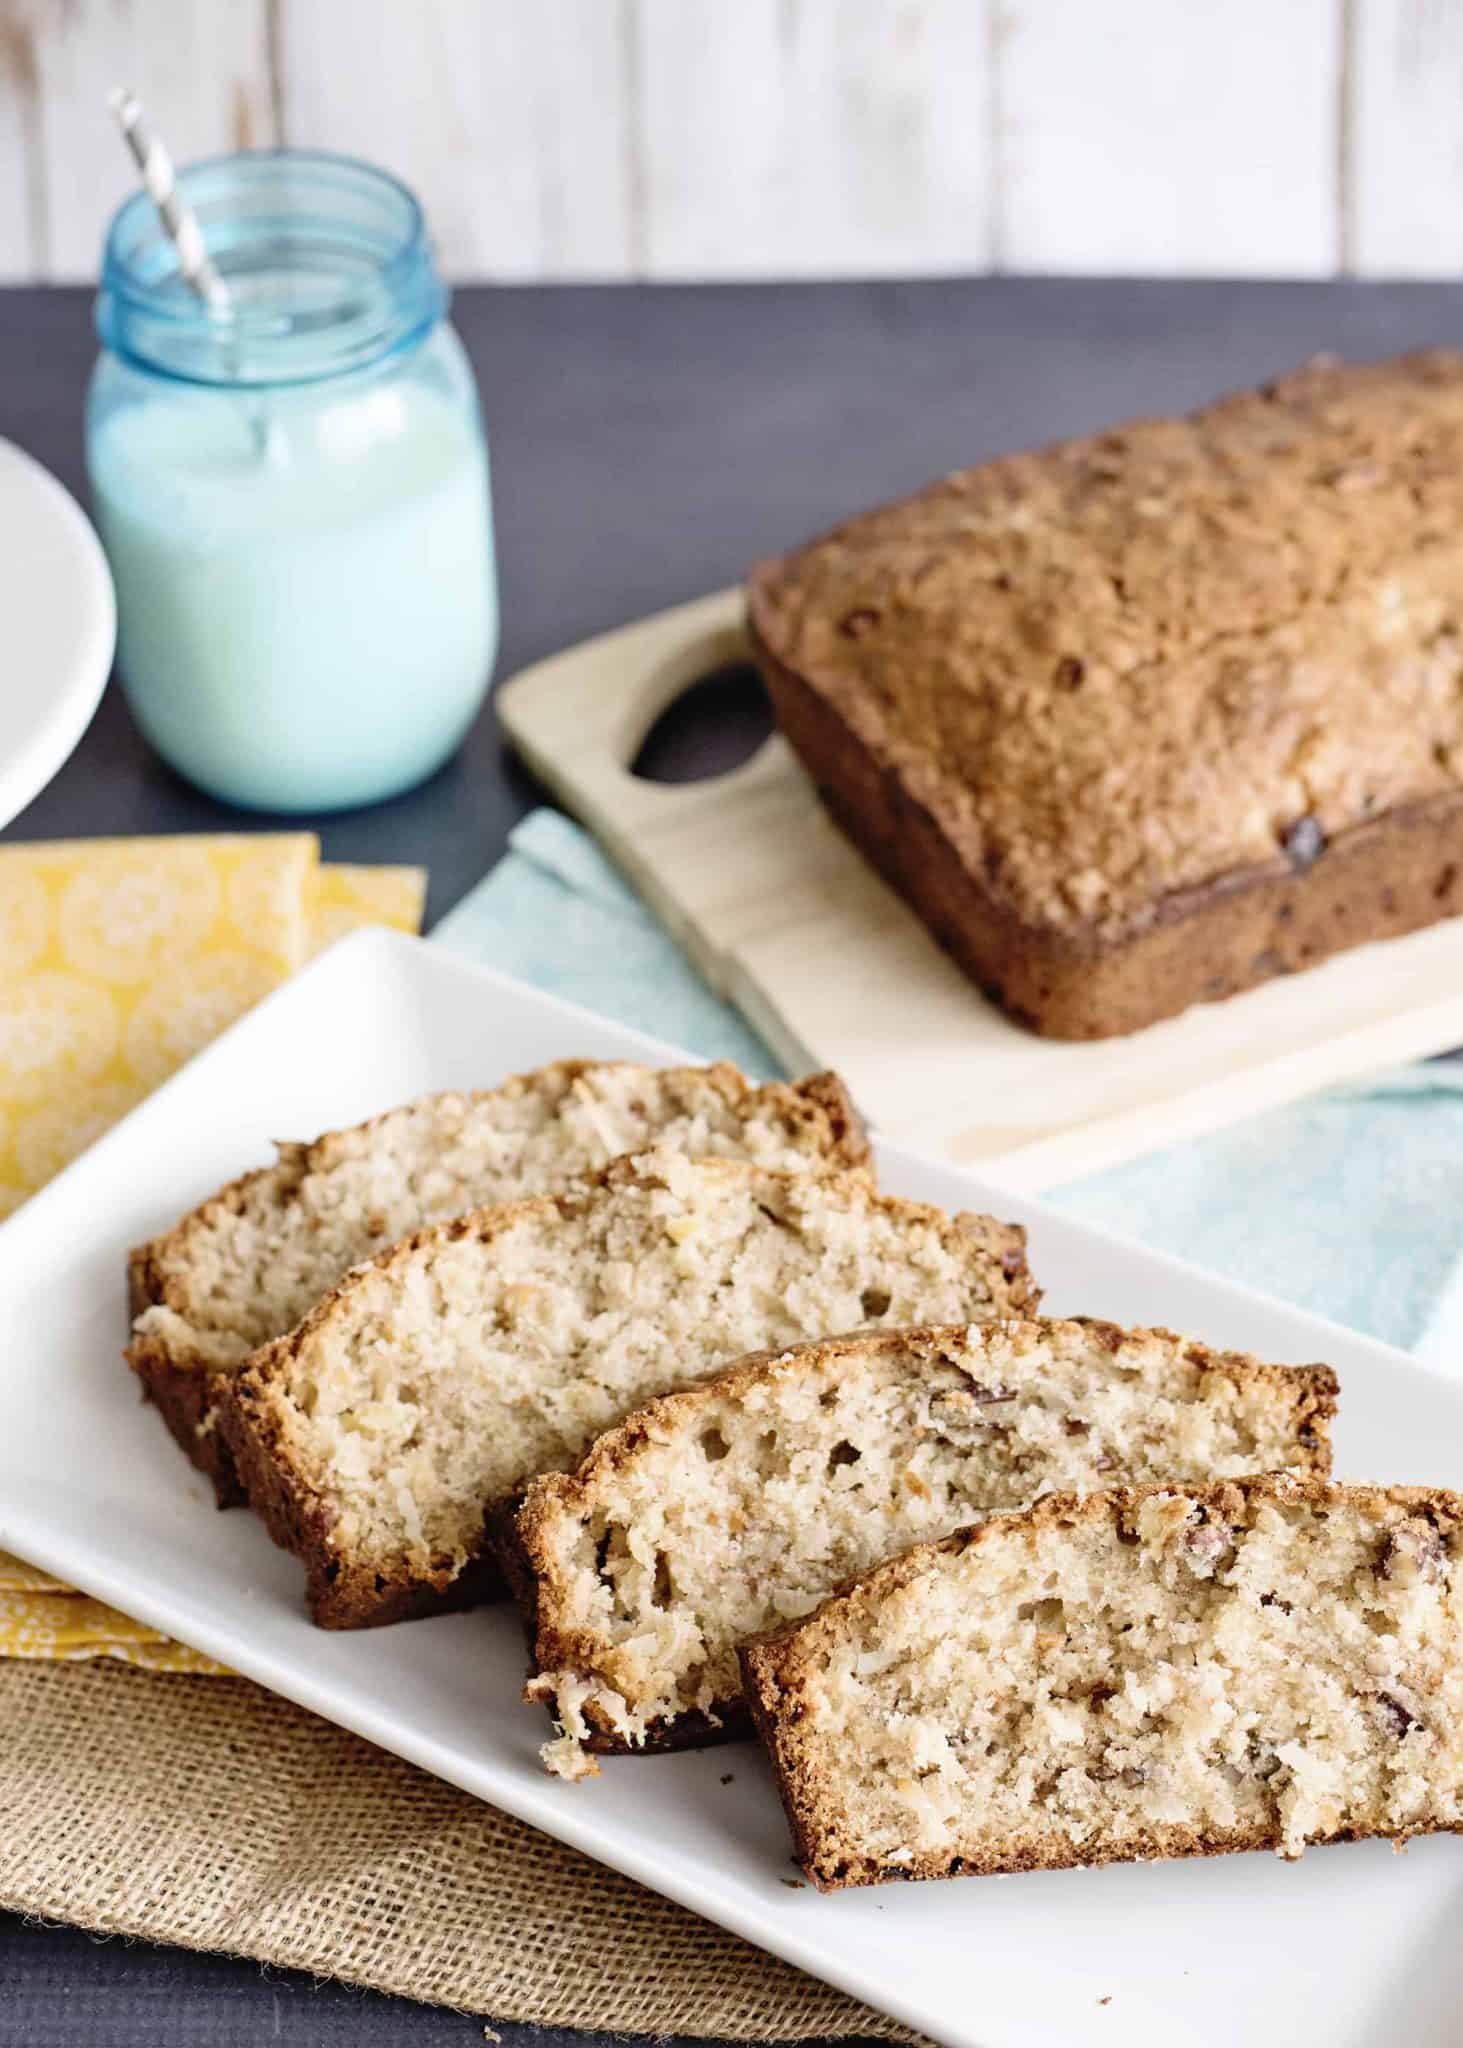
{"x": 294, "y": 499}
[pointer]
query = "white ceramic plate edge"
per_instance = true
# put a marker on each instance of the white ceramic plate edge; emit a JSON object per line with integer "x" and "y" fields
{"x": 53, "y": 738}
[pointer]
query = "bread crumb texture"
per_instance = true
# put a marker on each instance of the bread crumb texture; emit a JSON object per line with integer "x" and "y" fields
{"x": 722, "y": 1510}
{"x": 440, "y": 1378}
{"x": 247, "y": 1265}
{"x": 1138, "y": 1674}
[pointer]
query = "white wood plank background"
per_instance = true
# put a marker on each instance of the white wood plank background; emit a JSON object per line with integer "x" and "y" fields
{"x": 1406, "y": 211}
{"x": 776, "y": 138}
{"x": 1155, "y": 137}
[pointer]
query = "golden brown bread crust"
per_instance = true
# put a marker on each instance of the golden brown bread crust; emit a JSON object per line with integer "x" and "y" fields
{"x": 341, "y": 1595}
{"x": 184, "y": 1391}
{"x": 519, "y": 1529}
{"x": 773, "y": 1668}
{"x": 1143, "y": 720}
{"x": 185, "y": 1387}
{"x": 849, "y": 1146}
{"x": 186, "y": 1399}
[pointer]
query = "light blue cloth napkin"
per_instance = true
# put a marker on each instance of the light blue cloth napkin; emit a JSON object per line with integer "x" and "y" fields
{"x": 1350, "y": 1203}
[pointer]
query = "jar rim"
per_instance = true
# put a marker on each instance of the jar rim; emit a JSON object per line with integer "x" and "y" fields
{"x": 353, "y": 227}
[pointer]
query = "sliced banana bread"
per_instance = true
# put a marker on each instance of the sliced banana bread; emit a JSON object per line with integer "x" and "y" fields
{"x": 246, "y": 1265}
{"x": 436, "y": 1381}
{"x": 1172, "y": 1671}
{"x": 723, "y": 1509}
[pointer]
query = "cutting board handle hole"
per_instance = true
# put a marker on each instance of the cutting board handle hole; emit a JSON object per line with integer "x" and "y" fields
{"x": 711, "y": 726}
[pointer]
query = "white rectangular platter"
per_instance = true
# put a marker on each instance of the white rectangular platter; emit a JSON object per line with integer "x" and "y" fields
{"x": 783, "y": 916}
{"x": 1354, "y": 1946}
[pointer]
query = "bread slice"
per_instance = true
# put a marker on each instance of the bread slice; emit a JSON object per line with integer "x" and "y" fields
{"x": 724, "y": 1509}
{"x": 246, "y": 1265}
{"x": 439, "y": 1379}
{"x": 1168, "y": 1671}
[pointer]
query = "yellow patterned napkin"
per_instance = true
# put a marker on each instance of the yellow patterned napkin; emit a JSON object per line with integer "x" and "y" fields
{"x": 67, "y": 1627}
{"x": 119, "y": 959}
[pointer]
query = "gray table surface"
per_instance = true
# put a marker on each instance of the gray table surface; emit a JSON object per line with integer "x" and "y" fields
{"x": 647, "y": 443}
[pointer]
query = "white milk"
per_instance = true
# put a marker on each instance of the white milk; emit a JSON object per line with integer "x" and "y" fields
{"x": 311, "y": 622}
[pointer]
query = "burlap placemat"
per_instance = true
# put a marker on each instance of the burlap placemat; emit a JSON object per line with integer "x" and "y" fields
{"x": 206, "y": 1812}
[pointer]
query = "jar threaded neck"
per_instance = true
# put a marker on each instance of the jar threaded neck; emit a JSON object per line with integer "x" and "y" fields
{"x": 327, "y": 259}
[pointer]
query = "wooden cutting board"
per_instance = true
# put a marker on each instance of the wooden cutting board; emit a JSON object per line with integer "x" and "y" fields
{"x": 782, "y": 916}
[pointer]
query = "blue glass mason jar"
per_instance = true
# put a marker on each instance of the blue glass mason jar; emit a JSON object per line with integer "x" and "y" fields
{"x": 293, "y": 496}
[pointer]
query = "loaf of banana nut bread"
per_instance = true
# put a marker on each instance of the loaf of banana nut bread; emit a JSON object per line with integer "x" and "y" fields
{"x": 1143, "y": 719}
{"x": 1168, "y": 1671}
{"x": 378, "y": 1438}
{"x": 247, "y": 1264}
{"x": 733, "y": 1505}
